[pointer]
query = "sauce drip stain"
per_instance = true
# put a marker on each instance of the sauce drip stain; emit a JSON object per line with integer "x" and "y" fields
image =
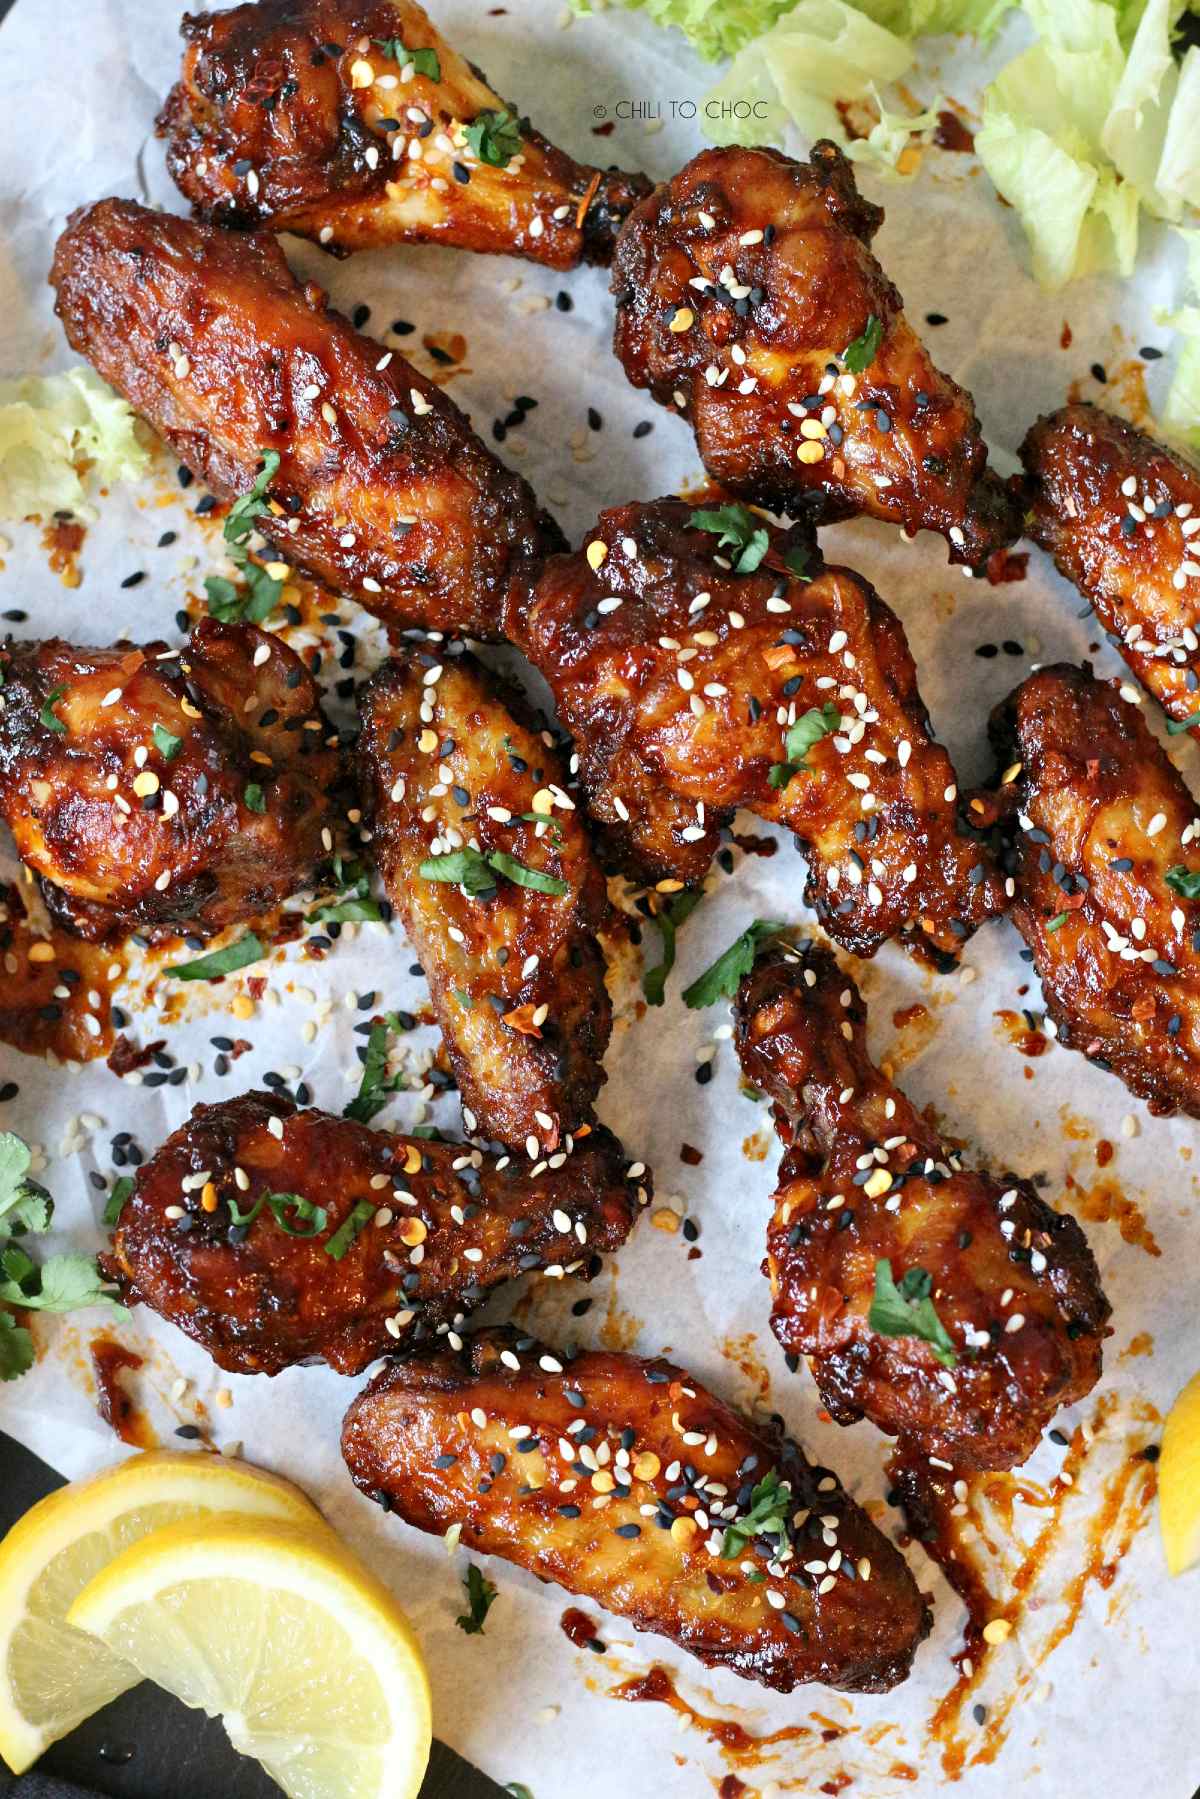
{"x": 55, "y": 990}
{"x": 657, "y": 1688}
{"x": 110, "y": 1360}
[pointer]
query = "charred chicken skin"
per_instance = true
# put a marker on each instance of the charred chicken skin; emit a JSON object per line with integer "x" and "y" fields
{"x": 159, "y": 790}
{"x": 748, "y": 300}
{"x": 682, "y": 683}
{"x": 588, "y": 1471}
{"x": 383, "y": 492}
{"x": 1120, "y": 515}
{"x": 867, "y": 1185}
{"x": 1103, "y": 842}
{"x": 353, "y": 122}
{"x": 273, "y": 1236}
{"x": 457, "y": 782}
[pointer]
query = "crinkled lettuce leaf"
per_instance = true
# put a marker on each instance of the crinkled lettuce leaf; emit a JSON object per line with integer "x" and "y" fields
{"x": 822, "y": 55}
{"x": 50, "y": 426}
{"x": 1180, "y": 416}
{"x": 715, "y": 28}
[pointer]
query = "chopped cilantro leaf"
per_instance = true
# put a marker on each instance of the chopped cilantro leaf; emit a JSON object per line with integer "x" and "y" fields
{"x": 668, "y": 921}
{"x": 114, "y": 1205}
{"x": 862, "y": 352}
{"x": 1183, "y": 881}
{"x": 220, "y": 962}
{"x": 737, "y": 528}
{"x": 48, "y": 716}
{"x": 495, "y": 137}
{"x": 166, "y": 742}
{"x": 721, "y": 980}
{"x": 349, "y": 1229}
{"x": 904, "y": 1309}
{"x": 425, "y": 62}
{"x": 770, "y": 1503}
{"x": 481, "y": 1596}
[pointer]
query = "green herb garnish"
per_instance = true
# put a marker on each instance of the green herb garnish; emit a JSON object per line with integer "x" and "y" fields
{"x": 797, "y": 561}
{"x": 280, "y": 1204}
{"x": 50, "y": 718}
{"x": 1184, "y": 881}
{"x": 255, "y": 798}
{"x": 166, "y": 742}
{"x": 906, "y": 1310}
{"x": 425, "y": 62}
{"x": 495, "y": 137}
{"x": 862, "y": 352}
{"x": 348, "y": 1231}
{"x": 25, "y": 1204}
{"x": 770, "y": 1503}
{"x": 721, "y": 980}
{"x": 481, "y": 1596}
{"x": 816, "y": 723}
{"x": 254, "y": 602}
{"x": 1176, "y": 725}
{"x": 376, "y": 1083}
{"x": 668, "y": 921}
{"x": 1057, "y": 923}
{"x": 220, "y": 962}
{"x": 114, "y": 1205}
{"x": 518, "y": 1790}
{"x": 739, "y": 529}
{"x": 474, "y": 872}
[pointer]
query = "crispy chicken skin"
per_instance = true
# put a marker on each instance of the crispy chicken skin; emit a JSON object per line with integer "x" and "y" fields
{"x": 1095, "y": 818}
{"x": 1120, "y": 514}
{"x": 260, "y": 1298}
{"x": 516, "y": 975}
{"x": 384, "y": 492}
{"x": 1013, "y": 1282}
{"x": 678, "y": 679}
{"x": 740, "y": 285}
{"x": 306, "y": 116}
{"x": 637, "y": 1525}
{"x": 159, "y": 790}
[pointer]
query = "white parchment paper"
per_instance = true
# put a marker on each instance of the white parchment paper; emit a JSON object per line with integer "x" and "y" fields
{"x": 1112, "y": 1708}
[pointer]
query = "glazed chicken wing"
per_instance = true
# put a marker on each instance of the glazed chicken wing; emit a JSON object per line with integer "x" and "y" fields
{"x": 383, "y": 492}
{"x": 1004, "y": 1289}
{"x": 354, "y": 122}
{"x": 273, "y": 1236}
{"x": 748, "y": 300}
{"x": 159, "y": 790}
{"x": 622, "y": 1480}
{"x": 1120, "y": 514}
{"x": 682, "y": 683}
{"x": 1104, "y": 847}
{"x": 456, "y": 782}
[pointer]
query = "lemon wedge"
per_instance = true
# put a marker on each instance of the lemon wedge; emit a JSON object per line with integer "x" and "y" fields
{"x": 1179, "y": 1481}
{"x": 52, "y": 1676}
{"x": 280, "y": 1631}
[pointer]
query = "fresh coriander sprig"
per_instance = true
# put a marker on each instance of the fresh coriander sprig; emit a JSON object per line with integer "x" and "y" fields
{"x": 722, "y": 979}
{"x": 61, "y": 1283}
{"x": 668, "y": 921}
{"x": 495, "y": 137}
{"x": 425, "y": 62}
{"x": 376, "y": 1084}
{"x": 770, "y": 1503}
{"x": 481, "y": 1596}
{"x": 809, "y": 729}
{"x": 475, "y": 872}
{"x": 261, "y": 592}
{"x": 220, "y": 962}
{"x": 1184, "y": 881}
{"x": 736, "y": 528}
{"x": 905, "y": 1309}
{"x": 860, "y": 354}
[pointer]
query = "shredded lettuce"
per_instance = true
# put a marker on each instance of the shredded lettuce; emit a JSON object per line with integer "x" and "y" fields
{"x": 715, "y": 28}
{"x": 1180, "y": 416}
{"x": 50, "y": 425}
{"x": 824, "y": 54}
{"x": 1095, "y": 121}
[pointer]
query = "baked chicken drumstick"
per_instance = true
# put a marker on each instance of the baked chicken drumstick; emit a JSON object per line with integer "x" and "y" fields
{"x": 487, "y": 862}
{"x": 272, "y": 1235}
{"x": 691, "y": 689}
{"x": 623, "y": 1480}
{"x": 956, "y": 1311}
{"x": 383, "y": 491}
{"x": 353, "y": 122}
{"x": 1103, "y": 842}
{"x": 748, "y": 300}
{"x": 163, "y": 790}
{"x": 1120, "y": 515}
